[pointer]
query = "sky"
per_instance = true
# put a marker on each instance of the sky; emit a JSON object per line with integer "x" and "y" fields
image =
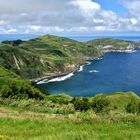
{"x": 70, "y": 17}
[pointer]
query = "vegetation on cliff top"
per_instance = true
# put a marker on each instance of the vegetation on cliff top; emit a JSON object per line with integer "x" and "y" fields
{"x": 116, "y": 43}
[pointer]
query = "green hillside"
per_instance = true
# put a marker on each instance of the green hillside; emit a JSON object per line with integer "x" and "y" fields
{"x": 48, "y": 54}
{"x": 6, "y": 75}
{"x": 44, "y": 55}
{"x": 109, "y": 41}
{"x": 55, "y": 117}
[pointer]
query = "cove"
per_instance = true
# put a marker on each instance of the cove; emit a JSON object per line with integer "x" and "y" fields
{"x": 115, "y": 72}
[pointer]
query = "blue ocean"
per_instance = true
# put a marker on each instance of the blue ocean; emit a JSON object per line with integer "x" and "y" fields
{"x": 113, "y": 73}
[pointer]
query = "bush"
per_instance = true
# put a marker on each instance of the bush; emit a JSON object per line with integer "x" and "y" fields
{"x": 23, "y": 90}
{"x": 100, "y": 104}
{"x": 81, "y": 104}
{"x": 59, "y": 99}
{"x": 133, "y": 107}
{"x": 14, "y": 42}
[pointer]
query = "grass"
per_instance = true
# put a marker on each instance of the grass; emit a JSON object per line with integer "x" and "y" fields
{"x": 31, "y": 129}
{"x": 55, "y": 118}
{"x": 17, "y": 123}
{"x": 117, "y": 43}
{"x": 4, "y": 73}
{"x": 121, "y": 99}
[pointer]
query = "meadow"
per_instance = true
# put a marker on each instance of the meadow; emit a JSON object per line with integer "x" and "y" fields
{"x": 31, "y": 126}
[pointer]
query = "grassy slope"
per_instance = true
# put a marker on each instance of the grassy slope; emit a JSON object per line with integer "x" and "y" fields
{"x": 117, "y": 43}
{"x": 44, "y": 55}
{"x": 19, "y": 124}
{"x": 30, "y": 129}
{"x": 20, "y": 61}
{"x": 120, "y": 99}
{"x": 6, "y": 75}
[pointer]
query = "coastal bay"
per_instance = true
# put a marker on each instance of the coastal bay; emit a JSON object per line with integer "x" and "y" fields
{"x": 93, "y": 78}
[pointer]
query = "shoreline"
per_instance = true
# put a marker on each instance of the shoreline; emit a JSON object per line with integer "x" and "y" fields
{"x": 48, "y": 79}
{"x": 57, "y": 77}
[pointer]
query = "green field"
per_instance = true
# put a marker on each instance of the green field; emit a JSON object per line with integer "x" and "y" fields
{"x": 31, "y": 126}
{"x": 55, "y": 117}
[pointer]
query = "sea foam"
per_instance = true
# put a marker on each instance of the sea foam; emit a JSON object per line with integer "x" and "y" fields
{"x": 58, "y": 79}
{"x": 62, "y": 78}
{"x": 88, "y": 63}
{"x": 81, "y": 68}
{"x": 95, "y": 71}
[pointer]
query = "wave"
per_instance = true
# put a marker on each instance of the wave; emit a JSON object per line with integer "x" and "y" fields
{"x": 88, "y": 63}
{"x": 95, "y": 71}
{"x": 81, "y": 68}
{"x": 62, "y": 78}
{"x": 42, "y": 82}
{"x": 58, "y": 79}
{"x": 100, "y": 58}
{"x": 131, "y": 51}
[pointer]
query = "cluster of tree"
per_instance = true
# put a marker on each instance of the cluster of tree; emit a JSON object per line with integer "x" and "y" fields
{"x": 13, "y": 42}
{"x": 133, "y": 107}
{"x": 17, "y": 90}
{"x": 99, "y": 104}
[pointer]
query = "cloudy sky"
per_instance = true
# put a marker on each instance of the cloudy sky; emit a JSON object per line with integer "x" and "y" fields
{"x": 69, "y": 16}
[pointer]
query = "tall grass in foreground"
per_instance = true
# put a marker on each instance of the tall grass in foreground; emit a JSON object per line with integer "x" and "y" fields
{"x": 27, "y": 129}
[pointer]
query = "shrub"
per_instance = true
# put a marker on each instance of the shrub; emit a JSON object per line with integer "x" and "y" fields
{"x": 133, "y": 107}
{"x": 100, "y": 104}
{"x": 23, "y": 90}
{"x": 14, "y": 42}
{"x": 59, "y": 99}
{"x": 81, "y": 104}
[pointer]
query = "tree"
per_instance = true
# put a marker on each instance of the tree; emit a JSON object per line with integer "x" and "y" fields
{"x": 17, "y": 90}
{"x": 133, "y": 107}
{"x": 100, "y": 104}
{"x": 81, "y": 104}
{"x": 14, "y": 42}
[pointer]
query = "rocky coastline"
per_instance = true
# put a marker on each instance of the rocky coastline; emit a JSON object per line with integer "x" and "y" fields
{"x": 105, "y": 49}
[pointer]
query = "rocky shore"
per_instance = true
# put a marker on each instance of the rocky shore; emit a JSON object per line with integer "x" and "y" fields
{"x": 75, "y": 69}
{"x": 105, "y": 49}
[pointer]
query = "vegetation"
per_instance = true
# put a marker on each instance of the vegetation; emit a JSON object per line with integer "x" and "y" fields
{"x": 54, "y": 129}
{"x": 14, "y": 42}
{"x": 44, "y": 55}
{"x": 100, "y": 104}
{"x": 19, "y": 90}
{"x": 81, "y": 104}
{"x": 133, "y": 107}
{"x": 50, "y": 54}
{"x": 28, "y": 112}
{"x": 108, "y": 41}
{"x": 43, "y": 119}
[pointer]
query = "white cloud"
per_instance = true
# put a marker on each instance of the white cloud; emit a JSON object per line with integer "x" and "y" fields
{"x": 87, "y": 7}
{"x": 3, "y": 22}
{"x": 133, "y": 21}
{"x": 66, "y": 16}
